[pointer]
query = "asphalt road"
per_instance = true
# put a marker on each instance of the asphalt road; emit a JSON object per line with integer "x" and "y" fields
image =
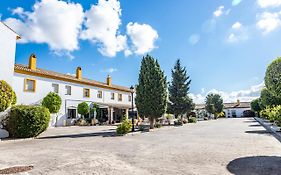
{"x": 225, "y": 146}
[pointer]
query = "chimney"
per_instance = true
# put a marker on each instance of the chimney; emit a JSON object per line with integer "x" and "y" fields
{"x": 32, "y": 62}
{"x": 79, "y": 73}
{"x": 108, "y": 81}
{"x": 238, "y": 102}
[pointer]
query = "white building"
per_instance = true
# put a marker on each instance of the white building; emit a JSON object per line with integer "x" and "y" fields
{"x": 31, "y": 84}
{"x": 233, "y": 110}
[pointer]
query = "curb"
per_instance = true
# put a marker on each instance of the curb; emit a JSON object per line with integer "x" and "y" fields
{"x": 14, "y": 140}
{"x": 269, "y": 128}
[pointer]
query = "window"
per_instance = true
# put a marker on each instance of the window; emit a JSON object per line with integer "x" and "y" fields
{"x": 71, "y": 113}
{"x": 99, "y": 94}
{"x": 112, "y": 95}
{"x": 68, "y": 90}
{"x": 55, "y": 88}
{"x": 130, "y": 98}
{"x": 233, "y": 113}
{"x": 119, "y": 97}
{"x": 86, "y": 92}
{"x": 29, "y": 85}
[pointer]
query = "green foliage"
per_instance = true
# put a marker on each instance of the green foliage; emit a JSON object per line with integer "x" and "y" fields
{"x": 180, "y": 103}
{"x": 27, "y": 121}
{"x": 151, "y": 91}
{"x": 268, "y": 99}
{"x": 273, "y": 77}
{"x": 7, "y": 96}
{"x": 214, "y": 104}
{"x": 125, "y": 127}
{"x": 255, "y": 105}
{"x": 273, "y": 114}
{"x": 192, "y": 120}
{"x": 53, "y": 102}
{"x": 83, "y": 108}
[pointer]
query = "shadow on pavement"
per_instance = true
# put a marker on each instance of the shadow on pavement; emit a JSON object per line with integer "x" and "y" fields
{"x": 96, "y": 134}
{"x": 250, "y": 121}
{"x": 257, "y": 165}
{"x": 258, "y": 132}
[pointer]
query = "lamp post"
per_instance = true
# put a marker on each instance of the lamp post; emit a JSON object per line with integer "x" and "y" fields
{"x": 132, "y": 113}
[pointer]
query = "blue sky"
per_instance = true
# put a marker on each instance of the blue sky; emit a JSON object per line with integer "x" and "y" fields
{"x": 225, "y": 45}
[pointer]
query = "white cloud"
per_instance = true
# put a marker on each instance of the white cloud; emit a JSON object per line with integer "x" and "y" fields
{"x": 243, "y": 95}
{"x": 236, "y": 25}
{"x": 236, "y": 2}
{"x": 269, "y": 22}
{"x": 56, "y": 23}
{"x": 269, "y": 3}
{"x": 109, "y": 70}
{"x": 219, "y": 11}
{"x": 237, "y": 33}
{"x": 102, "y": 27}
{"x": 143, "y": 37}
{"x": 194, "y": 39}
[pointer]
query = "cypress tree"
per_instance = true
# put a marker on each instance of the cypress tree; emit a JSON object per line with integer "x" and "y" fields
{"x": 151, "y": 91}
{"x": 179, "y": 101}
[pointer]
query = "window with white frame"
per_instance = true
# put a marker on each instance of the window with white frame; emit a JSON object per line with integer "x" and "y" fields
{"x": 68, "y": 90}
{"x": 55, "y": 87}
{"x": 130, "y": 97}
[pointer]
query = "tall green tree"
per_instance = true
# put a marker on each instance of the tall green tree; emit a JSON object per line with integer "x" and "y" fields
{"x": 273, "y": 77}
{"x": 268, "y": 99}
{"x": 214, "y": 104}
{"x": 151, "y": 91}
{"x": 179, "y": 101}
{"x": 255, "y": 105}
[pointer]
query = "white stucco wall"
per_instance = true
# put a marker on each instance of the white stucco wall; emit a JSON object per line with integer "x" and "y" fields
{"x": 239, "y": 112}
{"x": 44, "y": 86}
{"x": 7, "y": 53}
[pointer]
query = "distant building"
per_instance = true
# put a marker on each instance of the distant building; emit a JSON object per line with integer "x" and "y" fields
{"x": 32, "y": 84}
{"x": 232, "y": 110}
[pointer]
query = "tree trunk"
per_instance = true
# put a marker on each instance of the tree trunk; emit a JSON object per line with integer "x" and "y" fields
{"x": 151, "y": 120}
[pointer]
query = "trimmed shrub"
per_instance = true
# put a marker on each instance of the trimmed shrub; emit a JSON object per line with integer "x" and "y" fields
{"x": 27, "y": 121}
{"x": 192, "y": 120}
{"x": 7, "y": 96}
{"x": 83, "y": 108}
{"x": 272, "y": 77}
{"x": 125, "y": 127}
{"x": 53, "y": 102}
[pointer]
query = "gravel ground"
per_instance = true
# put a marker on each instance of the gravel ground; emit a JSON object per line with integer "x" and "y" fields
{"x": 225, "y": 146}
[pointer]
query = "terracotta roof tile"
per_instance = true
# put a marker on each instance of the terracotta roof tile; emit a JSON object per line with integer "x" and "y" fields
{"x": 22, "y": 69}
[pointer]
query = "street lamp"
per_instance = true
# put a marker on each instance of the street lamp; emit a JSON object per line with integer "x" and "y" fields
{"x": 132, "y": 113}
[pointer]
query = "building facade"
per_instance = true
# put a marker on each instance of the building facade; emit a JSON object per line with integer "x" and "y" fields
{"x": 232, "y": 110}
{"x": 31, "y": 84}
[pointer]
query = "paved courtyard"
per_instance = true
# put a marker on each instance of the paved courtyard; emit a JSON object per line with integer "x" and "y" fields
{"x": 226, "y": 146}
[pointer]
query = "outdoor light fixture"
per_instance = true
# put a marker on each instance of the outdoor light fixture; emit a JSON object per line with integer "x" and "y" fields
{"x": 132, "y": 113}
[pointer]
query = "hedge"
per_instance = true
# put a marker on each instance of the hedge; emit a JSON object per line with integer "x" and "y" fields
{"x": 27, "y": 121}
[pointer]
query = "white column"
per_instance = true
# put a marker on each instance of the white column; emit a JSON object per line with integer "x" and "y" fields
{"x": 111, "y": 114}
{"x": 127, "y": 113}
